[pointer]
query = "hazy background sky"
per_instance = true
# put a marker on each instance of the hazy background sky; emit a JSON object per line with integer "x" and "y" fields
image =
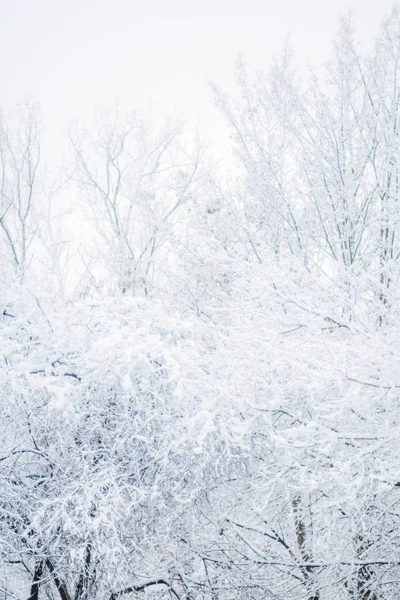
{"x": 74, "y": 56}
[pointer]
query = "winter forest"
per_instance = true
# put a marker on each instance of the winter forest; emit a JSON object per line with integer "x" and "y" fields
{"x": 199, "y": 396}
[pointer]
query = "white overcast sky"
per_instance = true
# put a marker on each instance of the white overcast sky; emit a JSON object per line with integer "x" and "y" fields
{"x": 74, "y": 56}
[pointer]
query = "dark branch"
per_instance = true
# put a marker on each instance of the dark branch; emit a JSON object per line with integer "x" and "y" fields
{"x": 141, "y": 588}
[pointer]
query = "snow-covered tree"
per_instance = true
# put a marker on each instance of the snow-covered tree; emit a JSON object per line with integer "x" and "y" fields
{"x": 221, "y": 419}
{"x": 19, "y": 163}
{"x": 136, "y": 182}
